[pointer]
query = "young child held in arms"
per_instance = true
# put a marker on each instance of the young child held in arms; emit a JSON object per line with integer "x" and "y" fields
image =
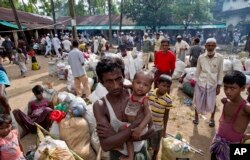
{"x": 234, "y": 119}
{"x": 160, "y": 103}
{"x": 10, "y": 146}
{"x": 138, "y": 102}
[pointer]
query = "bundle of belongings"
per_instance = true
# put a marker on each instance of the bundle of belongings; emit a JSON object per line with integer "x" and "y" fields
{"x": 176, "y": 148}
{"x": 187, "y": 81}
{"x": 70, "y": 128}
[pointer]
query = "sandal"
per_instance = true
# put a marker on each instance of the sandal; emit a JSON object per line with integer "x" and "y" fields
{"x": 211, "y": 123}
{"x": 196, "y": 121}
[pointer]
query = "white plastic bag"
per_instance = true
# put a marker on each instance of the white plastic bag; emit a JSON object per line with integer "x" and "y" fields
{"x": 227, "y": 65}
{"x": 247, "y": 65}
{"x": 237, "y": 65}
{"x": 180, "y": 66}
{"x": 53, "y": 146}
{"x": 54, "y": 130}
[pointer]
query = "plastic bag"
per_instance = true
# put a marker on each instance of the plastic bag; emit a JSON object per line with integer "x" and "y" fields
{"x": 173, "y": 148}
{"x": 227, "y": 65}
{"x": 50, "y": 149}
{"x": 75, "y": 132}
{"x": 54, "y": 130}
{"x": 237, "y": 65}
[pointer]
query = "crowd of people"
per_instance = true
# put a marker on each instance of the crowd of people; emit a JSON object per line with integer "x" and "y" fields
{"x": 127, "y": 120}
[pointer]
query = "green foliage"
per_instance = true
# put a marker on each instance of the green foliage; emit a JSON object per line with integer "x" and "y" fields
{"x": 156, "y": 13}
{"x": 190, "y": 12}
{"x": 80, "y": 8}
{"x": 148, "y": 12}
{"x": 6, "y": 3}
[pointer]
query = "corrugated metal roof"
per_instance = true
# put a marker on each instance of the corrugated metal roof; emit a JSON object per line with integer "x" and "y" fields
{"x": 11, "y": 25}
{"x": 97, "y": 20}
{"x": 25, "y": 18}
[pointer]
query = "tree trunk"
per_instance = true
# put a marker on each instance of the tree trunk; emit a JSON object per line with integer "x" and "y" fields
{"x": 17, "y": 20}
{"x": 73, "y": 16}
{"x": 53, "y": 15}
{"x": 24, "y": 6}
{"x": 89, "y": 2}
{"x": 110, "y": 21}
{"x": 121, "y": 16}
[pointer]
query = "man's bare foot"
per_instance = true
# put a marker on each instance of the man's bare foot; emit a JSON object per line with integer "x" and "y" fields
{"x": 24, "y": 133}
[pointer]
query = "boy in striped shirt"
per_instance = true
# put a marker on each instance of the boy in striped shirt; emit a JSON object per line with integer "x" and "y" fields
{"x": 160, "y": 102}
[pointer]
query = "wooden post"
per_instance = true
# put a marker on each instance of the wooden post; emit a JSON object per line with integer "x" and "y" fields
{"x": 17, "y": 20}
{"x": 15, "y": 36}
{"x": 73, "y": 16}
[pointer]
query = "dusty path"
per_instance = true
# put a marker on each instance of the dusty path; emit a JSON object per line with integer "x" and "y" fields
{"x": 180, "y": 117}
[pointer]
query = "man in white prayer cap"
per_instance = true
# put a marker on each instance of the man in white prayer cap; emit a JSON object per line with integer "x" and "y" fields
{"x": 181, "y": 47}
{"x": 56, "y": 44}
{"x": 208, "y": 77}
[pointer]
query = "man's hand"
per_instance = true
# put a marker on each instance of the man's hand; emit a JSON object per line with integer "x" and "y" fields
{"x": 105, "y": 131}
{"x": 137, "y": 132}
{"x": 181, "y": 80}
{"x": 218, "y": 90}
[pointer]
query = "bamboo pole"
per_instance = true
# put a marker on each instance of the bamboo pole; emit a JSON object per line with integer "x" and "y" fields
{"x": 77, "y": 157}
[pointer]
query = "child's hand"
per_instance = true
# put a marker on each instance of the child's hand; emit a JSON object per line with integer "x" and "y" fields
{"x": 224, "y": 101}
{"x": 137, "y": 132}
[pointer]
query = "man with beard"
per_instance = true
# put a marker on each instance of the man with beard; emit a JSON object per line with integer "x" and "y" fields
{"x": 208, "y": 76}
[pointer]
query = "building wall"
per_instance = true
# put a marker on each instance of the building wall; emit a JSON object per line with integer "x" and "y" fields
{"x": 234, "y": 4}
{"x": 235, "y": 19}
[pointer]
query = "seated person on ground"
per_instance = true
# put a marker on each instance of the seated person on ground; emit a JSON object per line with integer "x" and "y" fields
{"x": 38, "y": 112}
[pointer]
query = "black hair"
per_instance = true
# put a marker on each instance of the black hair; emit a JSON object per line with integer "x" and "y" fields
{"x": 122, "y": 47}
{"x": 75, "y": 43}
{"x": 235, "y": 77}
{"x": 165, "y": 41}
{"x": 109, "y": 64}
{"x": 37, "y": 90}
{"x": 5, "y": 118}
{"x": 197, "y": 40}
{"x": 165, "y": 78}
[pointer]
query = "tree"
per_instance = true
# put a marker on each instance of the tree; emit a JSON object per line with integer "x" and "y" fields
{"x": 81, "y": 8}
{"x": 152, "y": 13}
{"x": 190, "y": 12}
{"x": 110, "y": 20}
{"x": 6, "y": 4}
{"x": 17, "y": 20}
{"x": 157, "y": 13}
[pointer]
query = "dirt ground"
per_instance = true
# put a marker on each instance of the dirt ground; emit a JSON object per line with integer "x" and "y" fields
{"x": 180, "y": 117}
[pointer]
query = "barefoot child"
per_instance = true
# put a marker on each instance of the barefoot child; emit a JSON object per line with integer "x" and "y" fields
{"x": 10, "y": 146}
{"x": 21, "y": 60}
{"x": 32, "y": 54}
{"x": 138, "y": 101}
{"x": 234, "y": 119}
{"x": 160, "y": 102}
